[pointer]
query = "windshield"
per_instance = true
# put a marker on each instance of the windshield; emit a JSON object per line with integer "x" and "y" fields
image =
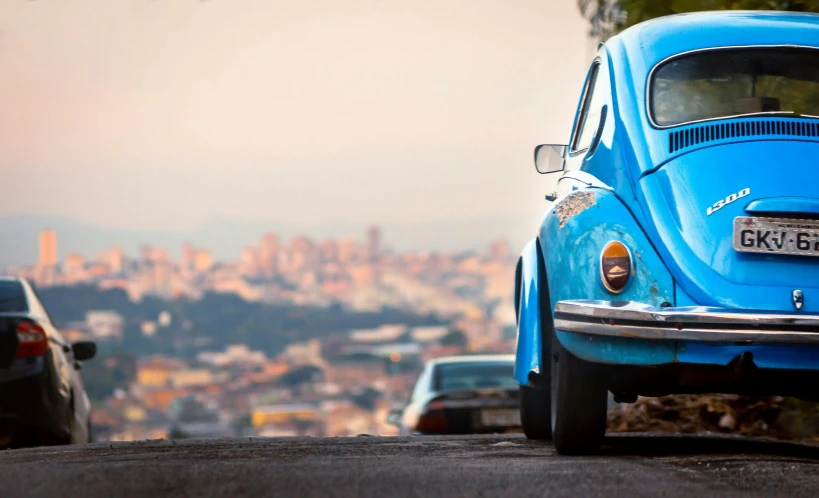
{"x": 467, "y": 376}
{"x": 12, "y": 297}
{"x": 723, "y": 83}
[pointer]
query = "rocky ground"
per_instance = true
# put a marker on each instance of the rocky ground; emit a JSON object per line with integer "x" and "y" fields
{"x": 767, "y": 416}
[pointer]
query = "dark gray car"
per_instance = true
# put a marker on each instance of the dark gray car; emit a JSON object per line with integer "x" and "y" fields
{"x": 42, "y": 399}
{"x": 462, "y": 395}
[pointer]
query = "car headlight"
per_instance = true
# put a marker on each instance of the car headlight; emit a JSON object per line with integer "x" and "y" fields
{"x": 616, "y": 266}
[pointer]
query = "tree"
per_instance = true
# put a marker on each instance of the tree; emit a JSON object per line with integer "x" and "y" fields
{"x": 609, "y": 17}
{"x": 455, "y": 338}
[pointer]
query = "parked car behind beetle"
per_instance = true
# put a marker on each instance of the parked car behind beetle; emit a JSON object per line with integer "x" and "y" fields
{"x": 42, "y": 399}
{"x": 462, "y": 395}
{"x": 680, "y": 253}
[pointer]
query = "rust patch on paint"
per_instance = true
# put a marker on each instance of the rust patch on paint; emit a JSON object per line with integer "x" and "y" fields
{"x": 574, "y": 204}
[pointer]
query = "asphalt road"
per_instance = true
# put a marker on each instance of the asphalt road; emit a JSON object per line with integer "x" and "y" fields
{"x": 630, "y": 465}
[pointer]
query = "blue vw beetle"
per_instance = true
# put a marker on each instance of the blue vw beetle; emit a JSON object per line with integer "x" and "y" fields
{"x": 680, "y": 251}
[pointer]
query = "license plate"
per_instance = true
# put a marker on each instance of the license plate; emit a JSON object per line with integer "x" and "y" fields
{"x": 500, "y": 418}
{"x": 773, "y": 236}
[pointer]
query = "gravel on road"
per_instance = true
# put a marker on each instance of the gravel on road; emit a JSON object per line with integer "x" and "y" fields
{"x": 509, "y": 465}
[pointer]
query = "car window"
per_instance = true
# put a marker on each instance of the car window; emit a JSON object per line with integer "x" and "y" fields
{"x": 593, "y": 101}
{"x": 36, "y": 307}
{"x": 421, "y": 385}
{"x": 12, "y": 297}
{"x": 469, "y": 376}
{"x": 723, "y": 83}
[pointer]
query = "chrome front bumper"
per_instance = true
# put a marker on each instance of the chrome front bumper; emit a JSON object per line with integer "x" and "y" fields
{"x": 701, "y": 324}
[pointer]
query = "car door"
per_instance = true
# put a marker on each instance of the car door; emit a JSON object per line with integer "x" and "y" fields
{"x": 68, "y": 369}
{"x": 588, "y": 127}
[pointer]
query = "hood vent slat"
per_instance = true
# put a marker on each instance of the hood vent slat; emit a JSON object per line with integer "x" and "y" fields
{"x": 696, "y": 135}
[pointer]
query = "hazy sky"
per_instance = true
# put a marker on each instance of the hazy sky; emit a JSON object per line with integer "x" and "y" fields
{"x": 164, "y": 113}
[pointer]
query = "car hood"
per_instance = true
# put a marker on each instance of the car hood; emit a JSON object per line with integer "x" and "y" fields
{"x": 697, "y": 243}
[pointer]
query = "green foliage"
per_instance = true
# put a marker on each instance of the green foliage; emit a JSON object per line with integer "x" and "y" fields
{"x": 177, "y": 433}
{"x": 300, "y": 375}
{"x": 608, "y": 17}
{"x": 455, "y": 338}
{"x": 215, "y": 321}
{"x": 102, "y": 375}
{"x": 367, "y": 399}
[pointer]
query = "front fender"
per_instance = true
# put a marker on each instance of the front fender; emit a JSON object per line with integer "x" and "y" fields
{"x": 572, "y": 235}
{"x": 529, "y": 345}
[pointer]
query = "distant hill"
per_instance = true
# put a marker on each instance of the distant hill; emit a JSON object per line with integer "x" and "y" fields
{"x": 226, "y": 237}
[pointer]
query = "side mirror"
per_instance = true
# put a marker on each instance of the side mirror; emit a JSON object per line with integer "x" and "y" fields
{"x": 549, "y": 158}
{"x": 84, "y": 350}
{"x": 394, "y": 418}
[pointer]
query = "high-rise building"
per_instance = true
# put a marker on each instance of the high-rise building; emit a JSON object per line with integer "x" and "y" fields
{"x": 250, "y": 261}
{"x": 373, "y": 243}
{"x": 145, "y": 252}
{"x": 269, "y": 254}
{"x": 329, "y": 251}
{"x": 74, "y": 263}
{"x": 116, "y": 260}
{"x": 203, "y": 260}
{"x": 48, "y": 248}
{"x": 188, "y": 255}
{"x": 348, "y": 250}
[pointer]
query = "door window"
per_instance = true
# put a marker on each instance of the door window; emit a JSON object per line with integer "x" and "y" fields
{"x": 594, "y": 99}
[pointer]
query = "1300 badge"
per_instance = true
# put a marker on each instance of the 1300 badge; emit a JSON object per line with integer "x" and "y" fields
{"x": 728, "y": 200}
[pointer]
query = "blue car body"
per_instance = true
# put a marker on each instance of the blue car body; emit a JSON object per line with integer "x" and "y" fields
{"x": 671, "y": 194}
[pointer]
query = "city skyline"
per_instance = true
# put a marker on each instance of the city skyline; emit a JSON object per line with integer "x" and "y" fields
{"x": 369, "y": 246}
{"x": 356, "y": 272}
{"x": 226, "y": 238}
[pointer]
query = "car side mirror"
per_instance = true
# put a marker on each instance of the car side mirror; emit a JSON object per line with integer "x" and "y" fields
{"x": 549, "y": 158}
{"x": 84, "y": 350}
{"x": 394, "y": 418}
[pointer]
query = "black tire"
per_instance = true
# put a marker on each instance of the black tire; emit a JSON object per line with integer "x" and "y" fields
{"x": 578, "y": 404}
{"x": 535, "y": 413}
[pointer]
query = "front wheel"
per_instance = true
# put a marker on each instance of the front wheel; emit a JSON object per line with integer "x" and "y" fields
{"x": 535, "y": 413}
{"x": 578, "y": 404}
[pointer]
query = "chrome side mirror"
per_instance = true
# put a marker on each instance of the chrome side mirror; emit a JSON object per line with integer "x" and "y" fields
{"x": 549, "y": 158}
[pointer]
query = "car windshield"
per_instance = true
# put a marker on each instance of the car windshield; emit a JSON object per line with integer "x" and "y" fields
{"x": 12, "y": 297}
{"x": 478, "y": 375}
{"x": 723, "y": 83}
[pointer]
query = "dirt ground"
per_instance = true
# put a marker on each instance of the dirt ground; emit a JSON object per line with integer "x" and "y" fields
{"x": 774, "y": 417}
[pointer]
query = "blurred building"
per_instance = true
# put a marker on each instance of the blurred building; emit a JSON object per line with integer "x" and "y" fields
{"x": 203, "y": 261}
{"x": 115, "y": 259}
{"x": 237, "y": 354}
{"x": 499, "y": 250}
{"x": 269, "y": 254}
{"x": 104, "y": 324}
{"x": 48, "y": 248}
{"x": 74, "y": 263}
{"x": 373, "y": 244}
{"x": 186, "y": 265}
{"x": 348, "y": 250}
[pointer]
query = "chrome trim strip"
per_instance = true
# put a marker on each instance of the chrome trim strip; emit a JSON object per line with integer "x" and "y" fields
{"x": 650, "y": 81}
{"x": 688, "y": 334}
{"x": 697, "y": 323}
{"x": 595, "y": 67}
